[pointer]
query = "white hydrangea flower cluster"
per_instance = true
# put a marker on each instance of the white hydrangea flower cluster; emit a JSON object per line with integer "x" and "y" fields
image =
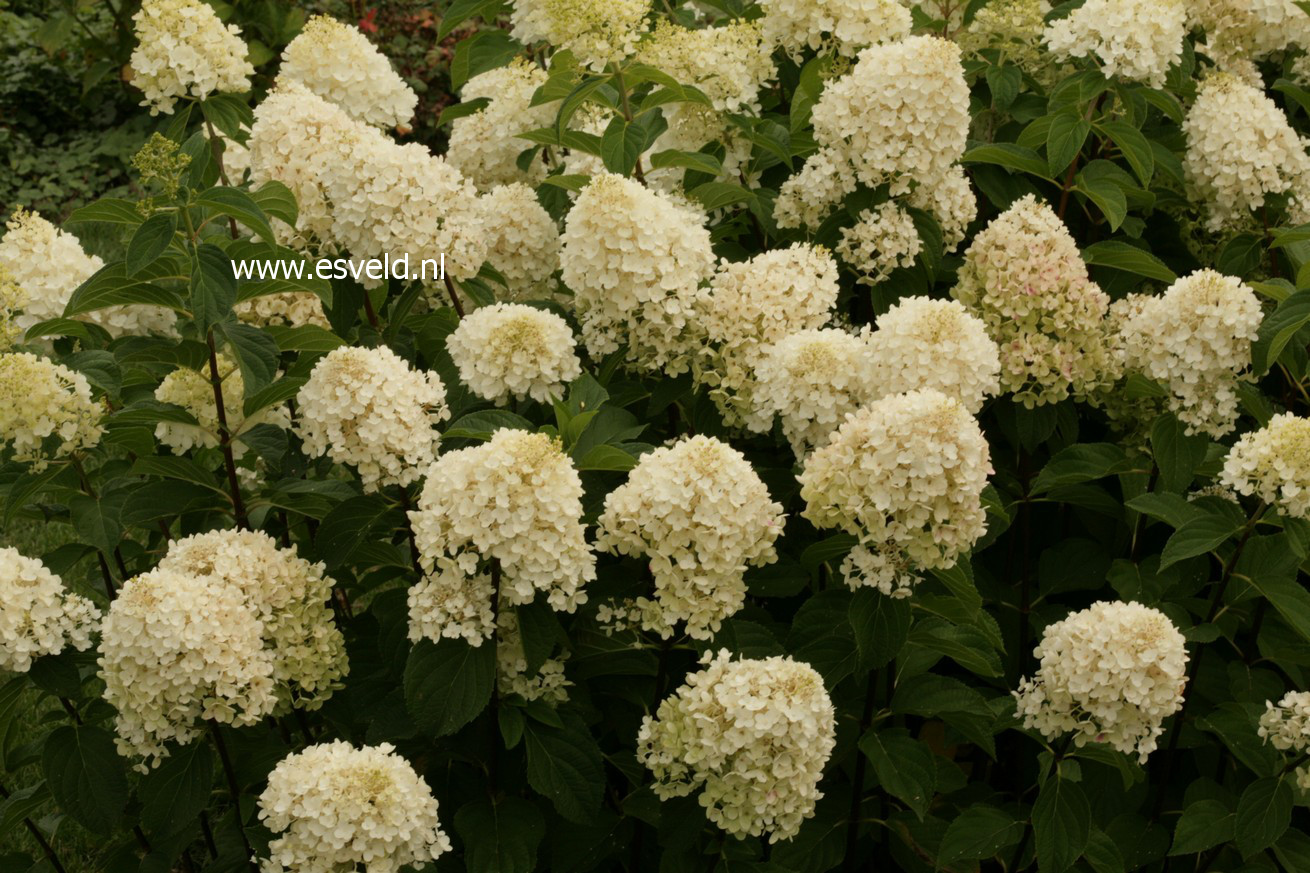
{"x": 1138, "y": 40}
{"x": 402, "y": 198}
{"x": 484, "y": 146}
{"x": 905, "y": 475}
{"x": 1240, "y": 149}
{"x": 1025, "y": 278}
{"x": 12, "y": 299}
{"x": 368, "y": 408}
{"x": 178, "y": 649}
{"x": 1248, "y": 30}
{"x": 1196, "y": 340}
{"x": 1273, "y": 464}
{"x": 305, "y": 142}
{"x": 597, "y": 32}
{"x": 812, "y": 380}
{"x": 512, "y": 350}
{"x": 700, "y": 514}
{"x": 183, "y": 49}
{"x": 285, "y": 308}
{"x": 38, "y": 616}
{"x": 729, "y": 63}
{"x": 448, "y": 602}
{"x": 844, "y": 26}
{"x": 951, "y": 201}
{"x": 290, "y": 597}
{"x": 752, "y": 736}
{"x": 752, "y": 304}
{"x": 1111, "y": 673}
{"x": 516, "y": 500}
{"x": 1287, "y": 727}
{"x": 338, "y": 63}
{"x": 1014, "y": 26}
{"x": 193, "y": 390}
{"x": 881, "y": 240}
{"x": 40, "y": 399}
{"x": 522, "y": 240}
{"x": 335, "y": 807}
{"x": 48, "y": 265}
{"x": 925, "y": 343}
{"x": 899, "y": 117}
{"x": 635, "y": 260}
{"x": 548, "y": 683}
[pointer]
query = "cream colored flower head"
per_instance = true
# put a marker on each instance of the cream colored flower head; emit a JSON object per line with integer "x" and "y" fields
{"x": 335, "y": 807}
{"x": 46, "y": 410}
{"x": 925, "y": 343}
{"x": 1111, "y": 673}
{"x": 1273, "y": 464}
{"x": 635, "y": 260}
{"x": 1195, "y": 339}
{"x": 844, "y": 26}
{"x": 1240, "y": 150}
{"x": 178, "y": 650}
{"x": 729, "y": 63}
{"x": 184, "y": 50}
{"x": 880, "y": 241}
{"x": 515, "y": 500}
{"x": 752, "y": 304}
{"x": 905, "y": 475}
{"x": 597, "y": 32}
{"x": 512, "y": 350}
{"x": 368, "y": 408}
{"x": 1025, "y": 278}
{"x": 750, "y": 736}
{"x": 290, "y": 596}
{"x": 1287, "y": 727}
{"x": 1249, "y": 30}
{"x": 811, "y": 380}
{"x": 485, "y": 146}
{"x": 1138, "y": 40}
{"x": 522, "y": 241}
{"x": 338, "y": 63}
{"x": 193, "y": 390}
{"x": 283, "y": 309}
{"x": 700, "y": 515}
{"x": 48, "y": 265}
{"x": 38, "y": 616}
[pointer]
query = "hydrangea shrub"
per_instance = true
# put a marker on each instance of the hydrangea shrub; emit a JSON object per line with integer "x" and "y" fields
{"x": 846, "y": 435}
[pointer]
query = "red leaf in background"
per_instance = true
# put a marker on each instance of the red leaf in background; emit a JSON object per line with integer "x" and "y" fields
{"x": 367, "y": 24}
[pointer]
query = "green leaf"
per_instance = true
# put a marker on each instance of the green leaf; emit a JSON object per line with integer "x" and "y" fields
{"x": 1064, "y": 140}
{"x": 500, "y": 836}
{"x": 621, "y": 146}
{"x": 1004, "y": 83}
{"x": 606, "y": 457}
{"x": 149, "y": 241}
{"x": 461, "y": 11}
{"x": 256, "y": 354}
{"x": 96, "y": 520}
{"x": 565, "y": 765}
{"x": 978, "y": 833}
{"x": 304, "y": 338}
{"x": 1203, "y": 825}
{"x": 481, "y": 425}
{"x": 906, "y": 768}
{"x": 353, "y": 523}
{"x": 111, "y": 286}
{"x": 1083, "y": 462}
{"x": 1177, "y": 454}
{"x": 484, "y": 50}
{"x": 229, "y": 113}
{"x": 276, "y": 201}
{"x": 1293, "y": 850}
{"x": 1008, "y": 155}
{"x": 1129, "y": 258}
{"x": 716, "y": 195}
{"x": 447, "y": 684}
{"x": 965, "y": 645}
{"x": 173, "y": 794}
{"x": 236, "y": 203}
{"x": 699, "y": 161}
{"x": 1108, "y": 197}
{"x": 1135, "y": 147}
{"x": 1289, "y": 598}
{"x": 170, "y": 467}
{"x": 1263, "y": 814}
{"x": 86, "y": 776}
{"x": 1278, "y": 329}
{"x": 568, "y": 181}
{"x": 462, "y": 110}
{"x": 1061, "y": 825}
{"x": 108, "y": 210}
{"x": 1197, "y": 537}
{"x": 213, "y": 287}
{"x": 881, "y": 626}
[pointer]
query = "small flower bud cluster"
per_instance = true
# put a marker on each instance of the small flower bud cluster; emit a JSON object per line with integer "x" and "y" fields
{"x": 701, "y": 515}
{"x": 752, "y": 736}
{"x": 1111, "y": 673}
